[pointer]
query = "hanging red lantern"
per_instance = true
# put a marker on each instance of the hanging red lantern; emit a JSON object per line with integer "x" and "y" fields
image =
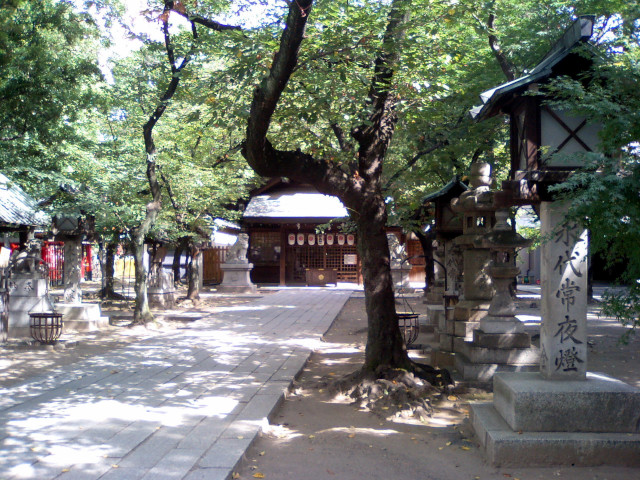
{"x": 351, "y": 239}
{"x": 311, "y": 238}
{"x": 291, "y": 238}
{"x": 330, "y": 238}
{"x": 301, "y": 239}
{"x": 340, "y": 239}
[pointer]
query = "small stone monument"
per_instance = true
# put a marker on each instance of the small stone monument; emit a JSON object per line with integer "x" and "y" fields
{"x": 237, "y": 269}
{"x": 28, "y": 290}
{"x": 160, "y": 290}
{"x": 400, "y": 269}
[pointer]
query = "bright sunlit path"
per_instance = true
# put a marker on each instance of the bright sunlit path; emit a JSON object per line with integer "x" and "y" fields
{"x": 193, "y": 398}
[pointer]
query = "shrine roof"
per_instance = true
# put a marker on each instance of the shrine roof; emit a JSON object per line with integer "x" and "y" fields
{"x": 293, "y": 204}
{"x": 492, "y": 100}
{"x": 17, "y": 208}
{"x": 452, "y": 189}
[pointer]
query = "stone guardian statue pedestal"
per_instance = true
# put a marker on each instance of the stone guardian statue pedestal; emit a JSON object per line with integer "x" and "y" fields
{"x": 237, "y": 269}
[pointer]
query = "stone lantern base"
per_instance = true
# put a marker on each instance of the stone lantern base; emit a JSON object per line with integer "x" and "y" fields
{"x": 538, "y": 422}
{"x": 236, "y": 278}
{"x": 400, "y": 276}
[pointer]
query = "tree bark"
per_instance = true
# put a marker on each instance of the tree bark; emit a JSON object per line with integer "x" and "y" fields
{"x": 177, "y": 256}
{"x": 107, "y": 265}
{"x": 193, "y": 291}
{"x": 142, "y": 313}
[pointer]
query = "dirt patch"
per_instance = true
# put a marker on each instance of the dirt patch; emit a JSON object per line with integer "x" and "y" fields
{"x": 320, "y": 434}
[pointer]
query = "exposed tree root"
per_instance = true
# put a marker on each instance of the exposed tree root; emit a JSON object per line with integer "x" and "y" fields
{"x": 111, "y": 295}
{"x": 393, "y": 392}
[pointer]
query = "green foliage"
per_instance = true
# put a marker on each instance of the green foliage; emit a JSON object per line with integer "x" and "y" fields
{"x": 48, "y": 74}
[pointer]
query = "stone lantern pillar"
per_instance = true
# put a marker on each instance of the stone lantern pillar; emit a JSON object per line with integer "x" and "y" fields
{"x": 503, "y": 242}
{"x": 476, "y": 208}
{"x": 562, "y": 414}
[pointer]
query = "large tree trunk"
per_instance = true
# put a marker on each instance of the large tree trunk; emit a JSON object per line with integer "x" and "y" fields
{"x": 358, "y": 186}
{"x": 385, "y": 347}
{"x": 107, "y": 265}
{"x": 141, "y": 313}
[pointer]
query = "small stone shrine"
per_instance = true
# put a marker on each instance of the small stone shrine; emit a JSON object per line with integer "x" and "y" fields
{"x": 563, "y": 414}
{"x": 500, "y": 343}
{"x": 237, "y": 269}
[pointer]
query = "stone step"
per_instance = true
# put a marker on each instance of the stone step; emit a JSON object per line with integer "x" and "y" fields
{"x": 501, "y": 340}
{"x": 505, "y": 447}
{"x": 463, "y": 329}
{"x": 484, "y": 372}
{"x": 512, "y": 356}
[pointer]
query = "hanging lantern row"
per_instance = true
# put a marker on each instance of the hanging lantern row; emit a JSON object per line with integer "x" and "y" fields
{"x": 320, "y": 239}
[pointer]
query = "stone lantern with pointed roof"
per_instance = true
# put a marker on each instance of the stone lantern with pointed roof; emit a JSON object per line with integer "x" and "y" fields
{"x": 562, "y": 414}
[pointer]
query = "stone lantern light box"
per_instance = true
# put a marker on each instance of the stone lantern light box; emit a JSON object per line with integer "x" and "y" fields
{"x": 542, "y": 138}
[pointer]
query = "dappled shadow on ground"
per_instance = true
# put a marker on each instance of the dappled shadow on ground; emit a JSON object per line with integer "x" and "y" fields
{"x": 321, "y": 433}
{"x": 172, "y": 389}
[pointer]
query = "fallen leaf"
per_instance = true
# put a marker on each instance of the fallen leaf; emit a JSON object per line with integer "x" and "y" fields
{"x": 312, "y": 436}
{"x": 65, "y": 470}
{"x": 235, "y": 476}
{"x": 262, "y": 454}
{"x": 464, "y": 447}
{"x": 258, "y": 475}
{"x": 330, "y": 472}
{"x": 352, "y": 435}
{"x": 115, "y": 465}
{"x": 452, "y": 398}
{"x": 448, "y": 443}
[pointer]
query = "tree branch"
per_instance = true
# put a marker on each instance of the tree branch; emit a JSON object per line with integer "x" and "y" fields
{"x": 412, "y": 162}
{"x": 505, "y": 65}
{"x": 181, "y": 10}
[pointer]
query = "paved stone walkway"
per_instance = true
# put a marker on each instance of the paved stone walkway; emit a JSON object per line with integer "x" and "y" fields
{"x": 185, "y": 405}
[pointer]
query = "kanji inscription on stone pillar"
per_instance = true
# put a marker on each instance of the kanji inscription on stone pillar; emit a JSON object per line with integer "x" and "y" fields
{"x": 563, "y": 336}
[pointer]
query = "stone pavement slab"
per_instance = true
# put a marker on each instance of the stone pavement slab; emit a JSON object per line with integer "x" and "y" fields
{"x": 182, "y": 405}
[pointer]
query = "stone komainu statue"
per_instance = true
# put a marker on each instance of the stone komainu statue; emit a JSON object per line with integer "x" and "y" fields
{"x": 28, "y": 260}
{"x": 396, "y": 251}
{"x": 238, "y": 251}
